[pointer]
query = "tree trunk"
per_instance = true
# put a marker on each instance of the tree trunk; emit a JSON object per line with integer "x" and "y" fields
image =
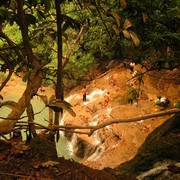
{"x": 59, "y": 85}
{"x": 6, "y": 126}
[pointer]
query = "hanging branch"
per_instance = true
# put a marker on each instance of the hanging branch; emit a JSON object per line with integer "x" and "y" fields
{"x": 70, "y": 49}
{"x": 13, "y": 46}
{"x": 127, "y": 120}
{"x": 95, "y": 4}
{"x": 92, "y": 129}
{"x": 22, "y": 116}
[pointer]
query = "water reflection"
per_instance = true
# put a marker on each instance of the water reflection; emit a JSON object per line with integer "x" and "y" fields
{"x": 63, "y": 146}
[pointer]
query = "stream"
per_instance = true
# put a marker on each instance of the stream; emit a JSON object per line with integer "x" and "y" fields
{"x": 64, "y": 147}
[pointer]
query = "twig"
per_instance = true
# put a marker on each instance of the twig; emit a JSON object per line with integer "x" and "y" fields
{"x": 22, "y": 116}
{"x": 63, "y": 172}
{"x": 23, "y": 176}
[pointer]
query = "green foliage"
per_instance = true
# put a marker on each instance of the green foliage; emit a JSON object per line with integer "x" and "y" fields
{"x": 159, "y": 24}
{"x": 124, "y": 29}
{"x": 4, "y": 14}
{"x": 4, "y": 2}
{"x": 157, "y": 102}
{"x": 13, "y": 33}
{"x": 2, "y": 76}
{"x": 69, "y": 22}
{"x": 31, "y": 19}
{"x": 160, "y": 103}
{"x": 140, "y": 78}
{"x": 47, "y": 4}
{"x": 113, "y": 30}
{"x": 177, "y": 104}
{"x": 133, "y": 94}
{"x": 77, "y": 69}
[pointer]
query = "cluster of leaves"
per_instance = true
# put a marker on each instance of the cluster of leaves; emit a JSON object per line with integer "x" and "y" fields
{"x": 19, "y": 147}
{"x": 114, "y": 30}
{"x": 133, "y": 95}
{"x": 177, "y": 104}
{"x": 157, "y": 25}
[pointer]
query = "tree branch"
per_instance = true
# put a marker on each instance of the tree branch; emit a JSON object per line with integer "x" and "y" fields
{"x": 22, "y": 116}
{"x": 127, "y": 120}
{"x": 70, "y": 49}
{"x": 92, "y": 129}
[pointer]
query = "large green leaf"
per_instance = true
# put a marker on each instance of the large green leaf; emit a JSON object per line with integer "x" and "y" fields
{"x": 41, "y": 37}
{"x": 116, "y": 29}
{"x": 65, "y": 26}
{"x": 70, "y": 22}
{"x": 134, "y": 38}
{"x": 123, "y": 3}
{"x": 13, "y": 19}
{"x": 126, "y": 34}
{"x": 61, "y": 1}
{"x": 117, "y": 17}
{"x": 57, "y": 104}
{"x": 41, "y": 14}
{"x": 127, "y": 24}
{"x": 3, "y": 14}
{"x": 145, "y": 17}
{"x": 31, "y": 19}
{"x": 47, "y": 4}
{"x": 32, "y": 2}
{"x": 4, "y": 2}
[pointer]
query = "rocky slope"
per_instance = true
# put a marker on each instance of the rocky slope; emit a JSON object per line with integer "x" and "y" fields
{"x": 158, "y": 157}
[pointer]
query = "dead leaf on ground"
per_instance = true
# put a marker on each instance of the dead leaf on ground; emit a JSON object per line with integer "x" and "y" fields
{"x": 46, "y": 164}
{"x": 19, "y": 147}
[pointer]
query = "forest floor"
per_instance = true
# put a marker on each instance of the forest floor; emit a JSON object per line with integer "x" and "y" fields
{"x": 120, "y": 146}
{"x": 39, "y": 161}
